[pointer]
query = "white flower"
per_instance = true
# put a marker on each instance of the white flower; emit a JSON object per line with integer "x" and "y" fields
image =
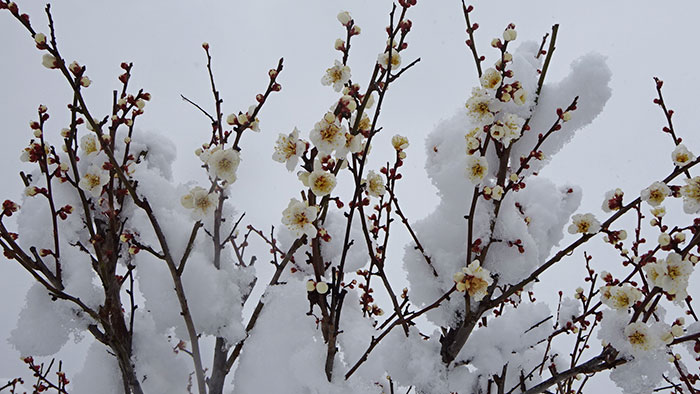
{"x": 472, "y": 144}
{"x": 490, "y": 79}
{"x": 328, "y": 134}
{"x": 510, "y": 34}
{"x": 31, "y": 191}
{"x": 200, "y": 201}
{"x": 497, "y": 193}
{"x": 353, "y": 144}
{"x": 49, "y": 61}
{"x": 613, "y": 200}
{"x": 481, "y": 106}
{"x": 375, "y": 184}
{"x": 620, "y": 297}
{"x": 93, "y": 180}
{"x": 89, "y": 144}
{"x": 473, "y": 279}
{"x": 639, "y": 337}
{"x": 40, "y": 38}
{"x": 584, "y": 224}
{"x": 223, "y": 164}
{"x": 339, "y": 44}
{"x": 288, "y": 149}
{"x": 691, "y": 195}
{"x": 477, "y": 168}
{"x": 321, "y": 182}
{"x": 514, "y": 123}
{"x": 520, "y": 96}
{"x": 670, "y": 274}
{"x": 299, "y": 218}
{"x": 338, "y": 76}
{"x": 656, "y": 193}
{"x": 659, "y": 211}
{"x": 383, "y": 59}
{"x": 497, "y": 131}
{"x": 682, "y": 156}
{"x": 664, "y": 239}
{"x": 399, "y": 142}
{"x": 85, "y": 81}
{"x": 344, "y": 18}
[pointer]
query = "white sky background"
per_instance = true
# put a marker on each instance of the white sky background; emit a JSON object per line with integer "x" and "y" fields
{"x": 622, "y": 148}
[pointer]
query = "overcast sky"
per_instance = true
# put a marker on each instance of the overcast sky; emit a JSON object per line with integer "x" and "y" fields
{"x": 622, "y": 148}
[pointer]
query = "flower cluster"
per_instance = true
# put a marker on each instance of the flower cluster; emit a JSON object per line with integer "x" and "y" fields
{"x": 620, "y": 297}
{"x": 670, "y": 274}
{"x": 246, "y": 120}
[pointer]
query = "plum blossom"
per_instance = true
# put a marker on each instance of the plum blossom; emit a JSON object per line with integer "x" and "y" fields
{"x": 655, "y": 193}
{"x": 223, "y": 164}
{"x": 321, "y": 182}
{"x": 682, "y": 156}
{"x": 93, "y": 180}
{"x": 40, "y": 38}
{"x": 328, "y": 134}
{"x": 288, "y": 149}
{"x": 520, "y": 96}
{"x": 670, "y": 274}
{"x": 620, "y": 297}
{"x": 200, "y": 201}
{"x": 299, "y": 218}
{"x": 584, "y": 224}
{"x": 639, "y": 337}
{"x": 338, "y": 76}
{"x": 613, "y": 200}
{"x": 353, "y": 144}
{"x": 477, "y": 168}
{"x": 399, "y": 142}
{"x": 375, "y": 184}
{"x": 49, "y": 61}
{"x": 344, "y": 18}
{"x": 473, "y": 279}
{"x": 481, "y": 106}
{"x": 490, "y": 79}
{"x": 383, "y": 59}
{"x": 510, "y": 34}
{"x": 89, "y": 144}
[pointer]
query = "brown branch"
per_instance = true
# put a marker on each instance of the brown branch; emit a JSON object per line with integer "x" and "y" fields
{"x": 470, "y": 43}
{"x": 550, "y": 52}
